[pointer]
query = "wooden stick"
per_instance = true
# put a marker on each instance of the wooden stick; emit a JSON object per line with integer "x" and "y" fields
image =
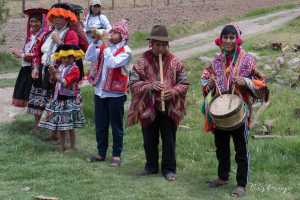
{"x": 161, "y": 72}
{"x": 272, "y": 136}
{"x": 230, "y": 101}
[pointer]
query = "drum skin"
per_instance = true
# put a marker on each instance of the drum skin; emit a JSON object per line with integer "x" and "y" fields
{"x": 225, "y": 116}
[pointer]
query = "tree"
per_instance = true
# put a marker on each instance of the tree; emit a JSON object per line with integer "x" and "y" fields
{"x": 3, "y": 17}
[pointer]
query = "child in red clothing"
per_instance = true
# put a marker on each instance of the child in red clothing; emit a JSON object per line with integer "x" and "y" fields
{"x": 63, "y": 113}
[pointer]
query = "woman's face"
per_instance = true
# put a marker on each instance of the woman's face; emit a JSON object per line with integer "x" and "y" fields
{"x": 59, "y": 22}
{"x": 96, "y": 9}
{"x": 35, "y": 24}
{"x": 229, "y": 42}
{"x": 159, "y": 47}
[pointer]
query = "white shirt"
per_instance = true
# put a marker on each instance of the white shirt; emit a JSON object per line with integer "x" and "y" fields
{"x": 110, "y": 61}
{"x": 27, "y": 48}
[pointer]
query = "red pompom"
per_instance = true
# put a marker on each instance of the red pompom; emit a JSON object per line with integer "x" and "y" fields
{"x": 218, "y": 41}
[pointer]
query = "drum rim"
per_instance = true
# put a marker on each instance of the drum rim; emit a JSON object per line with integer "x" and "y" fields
{"x": 239, "y": 124}
{"x": 228, "y": 114}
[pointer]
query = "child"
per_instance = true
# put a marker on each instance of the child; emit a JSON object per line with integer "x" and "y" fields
{"x": 63, "y": 113}
{"x": 110, "y": 81}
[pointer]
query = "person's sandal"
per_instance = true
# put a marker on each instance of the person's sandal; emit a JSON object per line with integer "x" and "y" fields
{"x": 216, "y": 183}
{"x": 115, "y": 162}
{"x": 96, "y": 158}
{"x": 238, "y": 192}
{"x": 170, "y": 176}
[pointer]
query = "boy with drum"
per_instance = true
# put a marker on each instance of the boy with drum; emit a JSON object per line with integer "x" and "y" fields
{"x": 232, "y": 71}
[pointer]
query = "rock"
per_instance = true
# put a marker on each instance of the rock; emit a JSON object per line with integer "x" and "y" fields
{"x": 267, "y": 67}
{"x": 26, "y": 189}
{"x": 205, "y": 59}
{"x": 280, "y": 80}
{"x": 255, "y": 55}
{"x": 280, "y": 60}
{"x": 293, "y": 62}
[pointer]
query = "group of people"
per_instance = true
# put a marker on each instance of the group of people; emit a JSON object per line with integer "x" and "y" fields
{"x": 57, "y": 43}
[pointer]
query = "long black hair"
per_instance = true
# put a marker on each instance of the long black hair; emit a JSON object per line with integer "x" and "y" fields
{"x": 229, "y": 29}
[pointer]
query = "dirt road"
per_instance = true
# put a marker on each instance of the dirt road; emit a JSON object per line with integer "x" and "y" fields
{"x": 184, "y": 48}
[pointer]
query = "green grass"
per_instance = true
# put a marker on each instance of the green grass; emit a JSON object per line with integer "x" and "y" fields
{"x": 28, "y": 161}
{"x": 263, "y": 11}
{"x": 8, "y": 63}
{"x": 7, "y": 83}
{"x": 138, "y": 39}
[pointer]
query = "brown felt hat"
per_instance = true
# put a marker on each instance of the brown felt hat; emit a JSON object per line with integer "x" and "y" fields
{"x": 160, "y": 33}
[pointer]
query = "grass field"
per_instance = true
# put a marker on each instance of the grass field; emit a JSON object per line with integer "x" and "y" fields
{"x": 28, "y": 161}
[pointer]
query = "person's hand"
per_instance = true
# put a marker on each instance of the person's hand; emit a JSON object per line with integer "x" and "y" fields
{"x": 55, "y": 37}
{"x": 168, "y": 94}
{"x": 35, "y": 73}
{"x": 17, "y": 53}
{"x": 157, "y": 86}
{"x": 240, "y": 82}
{"x": 211, "y": 83}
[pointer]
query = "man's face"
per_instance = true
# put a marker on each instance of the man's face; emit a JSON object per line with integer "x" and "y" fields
{"x": 159, "y": 47}
{"x": 229, "y": 42}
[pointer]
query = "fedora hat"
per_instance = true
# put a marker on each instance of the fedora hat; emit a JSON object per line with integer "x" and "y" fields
{"x": 160, "y": 33}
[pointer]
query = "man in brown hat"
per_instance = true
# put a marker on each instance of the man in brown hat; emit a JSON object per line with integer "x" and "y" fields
{"x": 158, "y": 106}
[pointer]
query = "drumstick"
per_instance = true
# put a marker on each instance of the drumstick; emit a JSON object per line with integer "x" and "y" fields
{"x": 217, "y": 86}
{"x": 161, "y": 72}
{"x": 230, "y": 101}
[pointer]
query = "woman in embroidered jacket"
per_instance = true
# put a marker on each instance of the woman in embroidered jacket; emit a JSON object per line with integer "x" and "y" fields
{"x": 60, "y": 16}
{"x": 63, "y": 113}
{"x": 147, "y": 97}
{"x": 109, "y": 76}
{"x": 233, "y": 67}
{"x": 36, "y": 27}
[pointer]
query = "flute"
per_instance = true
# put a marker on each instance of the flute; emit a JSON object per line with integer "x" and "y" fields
{"x": 161, "y": 72}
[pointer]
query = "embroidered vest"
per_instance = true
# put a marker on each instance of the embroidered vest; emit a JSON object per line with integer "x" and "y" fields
{"x": 116, "y": 80}
{"x": 242, "y": 68}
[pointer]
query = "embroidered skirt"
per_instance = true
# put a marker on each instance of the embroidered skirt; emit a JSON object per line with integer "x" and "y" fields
{"x": 22, "y": 87}
{"x": 62, "y": 115}
{"x": 41, "y": 92}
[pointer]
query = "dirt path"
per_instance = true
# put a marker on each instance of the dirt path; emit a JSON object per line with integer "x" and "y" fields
{"x": 184, "y": 48}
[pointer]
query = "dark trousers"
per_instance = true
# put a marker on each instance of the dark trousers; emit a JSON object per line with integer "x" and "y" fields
{"x": 222, "y": 142}
{"x": 167, "y": 129}
{"x": 109, "y": 111}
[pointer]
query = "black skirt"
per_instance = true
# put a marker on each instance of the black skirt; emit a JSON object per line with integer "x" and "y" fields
{"x": 22, "y": 87}
{"x": 41, "y": 92}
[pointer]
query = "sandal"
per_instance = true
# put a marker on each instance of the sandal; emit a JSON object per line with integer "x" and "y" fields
{"x": 238, "y": 192}
{"x": 216, "y": 183}
{"x": 96, "y": 158}
{"x": 115, "y": 162}
{"x": 170, "y": 176}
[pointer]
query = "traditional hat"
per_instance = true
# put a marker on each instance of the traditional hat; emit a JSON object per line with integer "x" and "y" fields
{"x": 76, "y": 8}
{"x": 66, "y": 50}
{"x": 95, "y": 2}
{"x": 122, "y": 28}
{"x": 35, "y": 11}
{"x": 62, "y": 10}
{"x": 160, "y": 33}
{"x": 41, "y": 13}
